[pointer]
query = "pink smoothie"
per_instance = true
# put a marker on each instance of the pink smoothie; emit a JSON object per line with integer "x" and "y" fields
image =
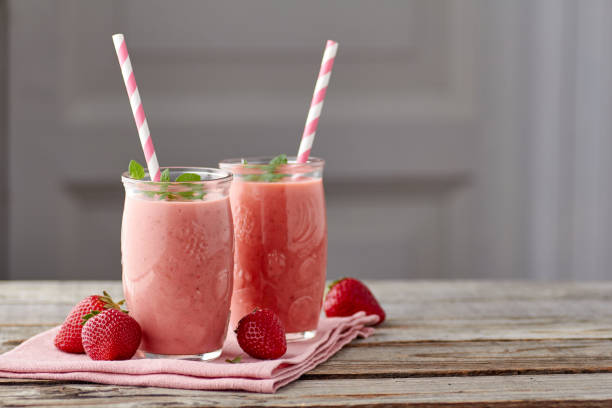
{"x": 177, "y": 272}
{"x": 281, "y": 250}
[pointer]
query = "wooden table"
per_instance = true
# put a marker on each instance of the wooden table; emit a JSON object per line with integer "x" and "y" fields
{"x": 500, "y": 344}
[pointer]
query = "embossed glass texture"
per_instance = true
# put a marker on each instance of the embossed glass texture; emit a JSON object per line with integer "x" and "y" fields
{"x": 177, "y": 250}
{"x": 280, "y": 231}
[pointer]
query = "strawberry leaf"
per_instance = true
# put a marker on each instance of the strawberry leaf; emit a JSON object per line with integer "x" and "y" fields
{"x": 331, "y": 285}
{"x": 89, "y": 316}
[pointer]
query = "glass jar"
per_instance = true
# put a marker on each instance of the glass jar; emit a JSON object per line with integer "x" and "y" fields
{"x": 177, "y": 252}
{"x": 280, "y": 232}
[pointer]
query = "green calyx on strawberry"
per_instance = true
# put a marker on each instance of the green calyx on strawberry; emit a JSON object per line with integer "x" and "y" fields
{"x": 68, "y": 338}
{"x": 109, "y": 304}
{"x": 348, "y": 296}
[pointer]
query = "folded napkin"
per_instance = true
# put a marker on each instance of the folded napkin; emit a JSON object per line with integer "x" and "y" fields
{"x": 38, "y": 358}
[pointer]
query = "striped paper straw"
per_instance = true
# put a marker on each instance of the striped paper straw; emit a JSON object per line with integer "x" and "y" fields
{"x": 136, "y": 103}
{"x": 317, "y": 101}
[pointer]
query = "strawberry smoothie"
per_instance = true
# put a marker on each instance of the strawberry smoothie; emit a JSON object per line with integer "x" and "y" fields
{"x": 177, "y": 256}
{"x": 281, "y": 244}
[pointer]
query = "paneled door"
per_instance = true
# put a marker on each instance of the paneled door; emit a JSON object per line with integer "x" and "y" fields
{"x": 233, "y": 78}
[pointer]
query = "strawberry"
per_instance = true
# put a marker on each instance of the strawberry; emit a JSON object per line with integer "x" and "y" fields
{"x": 111, "y": 335}
{"x": 349, "y": 296}
{"x": 68, "y": 338}
{"x": 262, "y": 335}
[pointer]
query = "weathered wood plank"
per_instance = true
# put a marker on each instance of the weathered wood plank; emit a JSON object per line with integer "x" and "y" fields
{"x": 584, "y": 390}
{"x": 417, "y": 311}
{"x": 391, "y": 291}
{"x": 468, "y": 358}
{"x": 443, "y": 343}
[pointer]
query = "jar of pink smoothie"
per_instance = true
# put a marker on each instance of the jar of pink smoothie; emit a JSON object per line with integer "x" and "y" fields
{"x": 280, "y": 232}
{"x": 177, "y": 252}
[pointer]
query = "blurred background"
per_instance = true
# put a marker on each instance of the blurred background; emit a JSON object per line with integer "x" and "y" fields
{"x": 463, "y": 138}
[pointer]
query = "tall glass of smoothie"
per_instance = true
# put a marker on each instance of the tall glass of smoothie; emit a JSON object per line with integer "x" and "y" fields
{"x": 280, "y": 231}
{"x": 177, "y": 252}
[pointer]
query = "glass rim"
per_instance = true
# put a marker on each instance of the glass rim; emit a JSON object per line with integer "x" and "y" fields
{"x": 291, "y": 161}
{"x": 220, "y": 175}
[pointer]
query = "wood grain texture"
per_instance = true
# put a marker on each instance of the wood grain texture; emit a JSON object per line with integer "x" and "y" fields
{"x": 498, "y": 344}
{"x": 585, "y": 390}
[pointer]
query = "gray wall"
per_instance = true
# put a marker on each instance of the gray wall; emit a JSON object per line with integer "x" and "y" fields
{"x": 233, "y": 78}
{"x": 464, "y": 138}
{"x": 4, "y": 262}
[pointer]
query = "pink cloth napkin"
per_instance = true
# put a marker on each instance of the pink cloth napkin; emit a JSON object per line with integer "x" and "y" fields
{"x": 38, "y": 358}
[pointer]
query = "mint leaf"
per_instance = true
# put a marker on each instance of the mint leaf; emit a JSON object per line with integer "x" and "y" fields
{"x": 270, "y": 170}
{"x": 278, "y": 160}
{"x": 186, "y": 194}
{"x": 189, "y": 177}
{"x": 150, "y": 194}
{"x": 251, "y": 177}
{"x": 167, "y": 196}
{"x": 136, "y": 170}
{"x": 196, "y": 191}
{"x": 272, "y": 177}
{"x": 165, "y": 175}
{"x": 234, "y": 360}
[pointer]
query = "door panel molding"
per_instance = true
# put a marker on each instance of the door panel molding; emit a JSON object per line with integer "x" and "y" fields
{"x": 402, "y": 111}
{"x": 422, "y": 74}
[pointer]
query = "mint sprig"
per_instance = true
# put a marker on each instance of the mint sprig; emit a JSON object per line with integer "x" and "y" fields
{"x": 136, "y": 170}
{"x": 270, "y": 170}
{"x": 196, "y": 192}
{"x": 165, "y": 175}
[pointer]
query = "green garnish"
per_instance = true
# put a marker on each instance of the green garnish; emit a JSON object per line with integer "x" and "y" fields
{"x": 165, "y": 175}
{"x": 196, "y": 192}
{"x": 89, "y": 316}
{"x": 234, "y": 360}
{"x": 188, "y": 177}
{"x": 278, "y": 161}
{"x": 136, "y": 170}
{"x": 269, "y": 170}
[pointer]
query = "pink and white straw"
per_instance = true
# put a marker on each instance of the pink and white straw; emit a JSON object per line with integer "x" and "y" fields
{"x": 136, "y": 103}
{"x": 317, "y": 101}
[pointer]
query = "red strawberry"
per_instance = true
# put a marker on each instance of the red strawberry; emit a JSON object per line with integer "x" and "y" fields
{"x": 111, "y": 335}
{"x": 69, "y": 336}
{"x": 262, "y": 335}
{"x": 349, "y": 296}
